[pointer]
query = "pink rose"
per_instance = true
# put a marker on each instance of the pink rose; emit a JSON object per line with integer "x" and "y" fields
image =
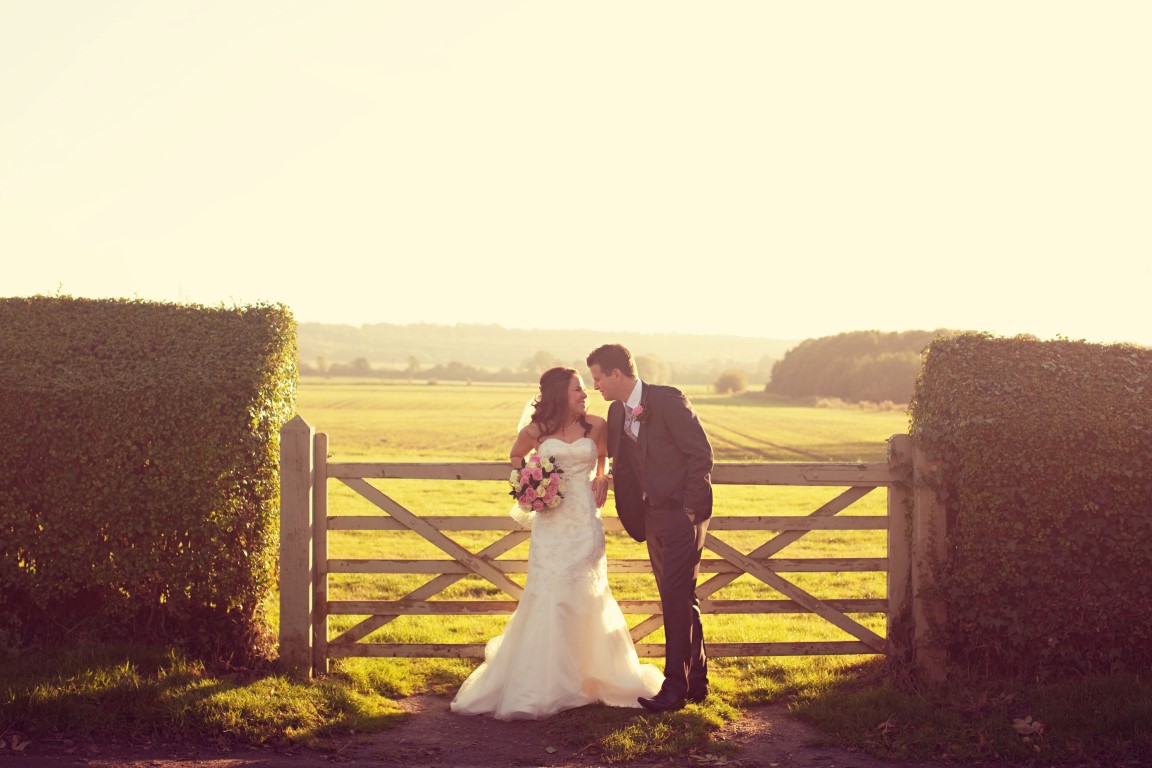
{"x": 554, "y": 482}
{"x": 530, "y": 493}
{"x": 525, "y": 476}
{"x": 537, "y": 474}
{"x": 638, "y": 412}
{"x": 538, "y": 505}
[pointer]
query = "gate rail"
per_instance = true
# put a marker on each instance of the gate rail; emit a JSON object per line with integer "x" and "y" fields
{"x": 305, "y": 647}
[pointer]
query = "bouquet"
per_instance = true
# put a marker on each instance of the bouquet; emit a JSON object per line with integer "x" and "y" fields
{"x": 538, "y": 485}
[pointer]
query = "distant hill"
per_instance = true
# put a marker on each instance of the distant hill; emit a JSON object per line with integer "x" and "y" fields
{"x": 494, "y": 347}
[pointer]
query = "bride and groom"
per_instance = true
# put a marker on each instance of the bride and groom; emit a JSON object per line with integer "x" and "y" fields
{"x": 567, "y": 643}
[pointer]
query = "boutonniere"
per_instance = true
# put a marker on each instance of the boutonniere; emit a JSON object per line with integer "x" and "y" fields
{"x": 640, "y": 413}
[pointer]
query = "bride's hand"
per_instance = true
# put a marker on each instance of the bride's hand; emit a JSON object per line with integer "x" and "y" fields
{"x": 600, "y": 490}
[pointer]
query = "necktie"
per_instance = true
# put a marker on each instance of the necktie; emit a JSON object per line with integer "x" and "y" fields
{"x": 629, "y": 420}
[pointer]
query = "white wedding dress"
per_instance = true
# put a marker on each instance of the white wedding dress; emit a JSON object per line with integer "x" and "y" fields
{"x": 567, "y": 644}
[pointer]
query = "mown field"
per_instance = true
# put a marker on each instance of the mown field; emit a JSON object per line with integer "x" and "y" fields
{"x": 374, "y": 421}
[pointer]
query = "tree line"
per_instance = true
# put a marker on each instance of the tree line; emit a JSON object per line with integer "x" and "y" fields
{"x": 857, "y": 366}
{"x": 724, "y": 375}
{"x": 494, "y": 353}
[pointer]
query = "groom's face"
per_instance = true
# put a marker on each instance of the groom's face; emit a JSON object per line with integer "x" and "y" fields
{"x": 609, "y": 385}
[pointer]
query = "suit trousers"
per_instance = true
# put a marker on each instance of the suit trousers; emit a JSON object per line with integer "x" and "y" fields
{"x": 675, "y": 543}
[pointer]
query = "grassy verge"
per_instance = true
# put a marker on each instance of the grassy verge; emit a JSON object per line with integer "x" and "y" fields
{"x": 144, "y": 695}
{"x": 1099, "y": 720}
{"x": 141, "y": 695}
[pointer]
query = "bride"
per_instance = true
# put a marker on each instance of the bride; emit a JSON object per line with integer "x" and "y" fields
{"x": 567, "y": 644}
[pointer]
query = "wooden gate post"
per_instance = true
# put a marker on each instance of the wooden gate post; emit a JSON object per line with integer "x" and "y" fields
{"x": 899, "y": 547}
{"x": 296, "y": 489}
{"x": 929, "y": 550}
{"x": 320, "y": 556}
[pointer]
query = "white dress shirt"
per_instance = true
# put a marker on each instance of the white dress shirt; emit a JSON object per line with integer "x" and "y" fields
{"x": 633, "y": 401}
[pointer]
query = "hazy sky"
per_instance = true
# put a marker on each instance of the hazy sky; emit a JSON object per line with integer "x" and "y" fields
{"x": 772, "y": 169}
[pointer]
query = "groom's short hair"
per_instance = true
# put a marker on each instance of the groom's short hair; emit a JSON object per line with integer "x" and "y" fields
{"x": 613, "y": 357}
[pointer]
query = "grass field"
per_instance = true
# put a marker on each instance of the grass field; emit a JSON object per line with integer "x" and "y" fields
{"x": 386, "y": 421}
{"x": 373, "y": 421}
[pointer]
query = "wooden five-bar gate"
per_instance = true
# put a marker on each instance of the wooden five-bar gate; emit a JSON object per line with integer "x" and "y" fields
{"x": 305, "y": 606}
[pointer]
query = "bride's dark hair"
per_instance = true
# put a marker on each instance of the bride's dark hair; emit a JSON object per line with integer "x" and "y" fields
{"x": 552, "y": 403}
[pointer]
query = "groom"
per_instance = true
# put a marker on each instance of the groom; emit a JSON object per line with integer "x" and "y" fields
{"x": 662, "y": 476}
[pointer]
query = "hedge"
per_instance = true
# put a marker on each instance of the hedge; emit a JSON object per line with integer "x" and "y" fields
{"x": 139, "y": 488}
{"x": 1044, "y": 451}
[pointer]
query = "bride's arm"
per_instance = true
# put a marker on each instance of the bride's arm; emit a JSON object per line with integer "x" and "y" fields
{"x": 523, "y": 445}
{"x": 600, "y": 481}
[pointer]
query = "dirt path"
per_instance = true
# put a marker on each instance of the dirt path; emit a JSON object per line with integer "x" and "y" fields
{"x": 767, "y": 737}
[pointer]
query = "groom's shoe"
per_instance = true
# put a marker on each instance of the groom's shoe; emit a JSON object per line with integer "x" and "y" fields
{"x": 665, "y": 701}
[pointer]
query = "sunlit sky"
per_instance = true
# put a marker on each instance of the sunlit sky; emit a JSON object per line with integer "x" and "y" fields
{"x": 769, "y": 169}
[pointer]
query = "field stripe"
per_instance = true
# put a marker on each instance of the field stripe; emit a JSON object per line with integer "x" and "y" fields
{"x": 752, "y": 441}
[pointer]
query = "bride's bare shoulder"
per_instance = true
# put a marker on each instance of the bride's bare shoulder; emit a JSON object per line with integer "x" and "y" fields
{"x": 595, "y": 421}
{"x": 530, "y": 435}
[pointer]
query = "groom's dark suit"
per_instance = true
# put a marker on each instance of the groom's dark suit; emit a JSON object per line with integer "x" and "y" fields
{"x": 658, "y": 480}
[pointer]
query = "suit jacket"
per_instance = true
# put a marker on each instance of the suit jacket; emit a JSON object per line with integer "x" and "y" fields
{"x": 670, "y": 464}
